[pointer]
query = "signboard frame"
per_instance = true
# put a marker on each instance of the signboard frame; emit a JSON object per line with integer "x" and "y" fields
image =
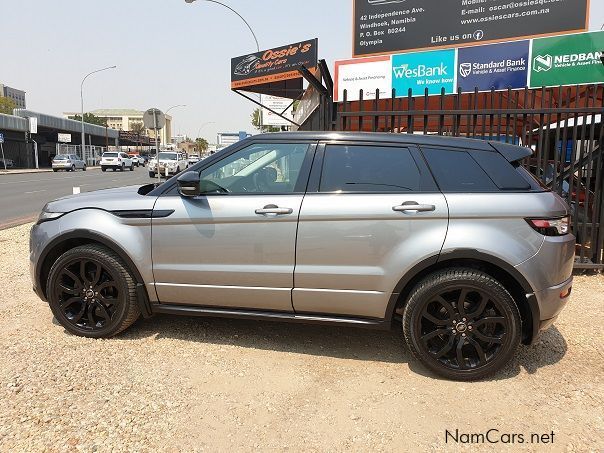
{"x": 458, "y": 44}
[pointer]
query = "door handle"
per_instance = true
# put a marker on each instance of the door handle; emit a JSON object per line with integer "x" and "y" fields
{"x": 414, "y": 206}
{"x": 273, "y": 209}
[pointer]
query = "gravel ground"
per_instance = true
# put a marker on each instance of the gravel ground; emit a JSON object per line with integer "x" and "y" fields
{"x": 183, "y": 384}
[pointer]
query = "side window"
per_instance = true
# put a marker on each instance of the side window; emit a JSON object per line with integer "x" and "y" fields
{"x": 363, "y": 168}
{"x": 456, "y": 171}
{"x": 259, "y": 168}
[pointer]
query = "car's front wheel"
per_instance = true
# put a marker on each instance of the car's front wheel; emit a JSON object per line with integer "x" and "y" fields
{"x": 91, "y": 292}
{"x": 461, "y": 323}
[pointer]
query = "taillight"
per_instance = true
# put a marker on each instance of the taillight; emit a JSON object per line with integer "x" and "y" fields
{"x": 551, "y": 227}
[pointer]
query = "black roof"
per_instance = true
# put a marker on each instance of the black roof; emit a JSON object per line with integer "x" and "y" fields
{"x": 510, "y": 152}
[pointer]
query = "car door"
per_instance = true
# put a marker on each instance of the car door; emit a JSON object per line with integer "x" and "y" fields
{"x": 234, "y": 246}
{"x": 371, "y": 213}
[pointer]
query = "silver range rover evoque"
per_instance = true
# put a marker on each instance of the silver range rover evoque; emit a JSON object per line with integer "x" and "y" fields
{"x": 449, "y": 237}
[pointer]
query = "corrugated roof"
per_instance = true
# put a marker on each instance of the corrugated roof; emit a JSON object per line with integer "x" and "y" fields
{"x": 13, "y": 123}
{"x": 63, "y": 124}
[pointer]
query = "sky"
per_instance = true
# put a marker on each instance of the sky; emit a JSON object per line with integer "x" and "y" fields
{"x": 167, "y": 52}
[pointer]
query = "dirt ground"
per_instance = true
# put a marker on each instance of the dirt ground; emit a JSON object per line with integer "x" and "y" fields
{"x": 194, "y": 384}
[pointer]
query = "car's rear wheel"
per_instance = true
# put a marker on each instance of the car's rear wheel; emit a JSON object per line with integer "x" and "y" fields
{"x": 122, "y": 168}
{"x": 73, "y": 168}
{"x": 103, "y": 169}
{"x": 84, "y": 168}
{"x": 462, "y": 324}
{"x": 91, "y": 292}
{"x": 55, "y": 170}
{"x": 131, "y": 167}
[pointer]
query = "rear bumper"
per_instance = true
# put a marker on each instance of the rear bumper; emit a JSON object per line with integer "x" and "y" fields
{"x": 553, "y": 299}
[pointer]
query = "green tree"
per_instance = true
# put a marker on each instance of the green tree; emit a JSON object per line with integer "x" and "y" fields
{"x": 256, "y": 123}
{"x": 7, "y": 105}
{"x": 202, "y": 143}
{"x": 90, "y": 119}
{"x": 138, "y": 128}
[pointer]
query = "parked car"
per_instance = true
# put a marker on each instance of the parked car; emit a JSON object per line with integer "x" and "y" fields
{"x": 67, "y": 162}
{"x": 116, "y": 161}
{"x": 8, "y": 162}
{"x": 448, "y": 237}
{"x": 193, "y": 159}
{"x": 173, "y": 161}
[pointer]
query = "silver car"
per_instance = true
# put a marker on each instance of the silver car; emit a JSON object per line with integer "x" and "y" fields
{"x": 450, "y": 238}
{"x": 68, "y": 162}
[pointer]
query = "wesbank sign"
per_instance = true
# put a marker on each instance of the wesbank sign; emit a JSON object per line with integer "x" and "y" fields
{"x": 418, "y": 71}
{"x": 567, "y": 60}
{"x": 562, "y": 60}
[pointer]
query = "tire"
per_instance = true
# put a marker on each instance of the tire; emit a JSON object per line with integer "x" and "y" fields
{"x": 98, "y": 314}
{"x": 114, "y": 169}
{"x": 123, "y": 167}
{"x": 55, "y": 170}
{"x": 84, "y": 168}
{"x": 131, "y": 167}
{"x": 435, "y": 324}
{"x": 103, "y": 169}
{"x": 73, "y": 168}
{"x": 151, "y": 174}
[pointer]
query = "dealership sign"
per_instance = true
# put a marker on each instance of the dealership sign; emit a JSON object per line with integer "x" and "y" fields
{"x": 564, "y": 60}
{"x": 498, "y": 66}
{"x": 391, "y": 26}
{"x": 273, "y": 65}
{"x": 567, "y": 60}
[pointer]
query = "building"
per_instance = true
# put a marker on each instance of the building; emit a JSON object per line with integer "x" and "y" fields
{"x": 225, "y": 139}
{"x": 18, "y": 96}
{"x": 127, "y": 119}
{"x": 177, "y": 140}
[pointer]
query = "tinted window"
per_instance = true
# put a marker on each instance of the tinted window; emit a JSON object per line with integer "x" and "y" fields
{"x": 260, "y": 168}
{"x": 501, "y": 172}
{"x": 110, "y": 155}
{"x": 369, "y": 169}
{"x": 456, "y": 171}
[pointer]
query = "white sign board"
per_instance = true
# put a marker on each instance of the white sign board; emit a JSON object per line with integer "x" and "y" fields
{"x": 279, "y": 105}
{"x": 33, "y": 125}
{"x": 367, "y": 74}
{"x": 64, "y": 138}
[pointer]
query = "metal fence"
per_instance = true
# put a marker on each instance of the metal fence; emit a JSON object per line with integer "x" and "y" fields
{"x": 91, "y": 154}
{"x": 562, "y": 125}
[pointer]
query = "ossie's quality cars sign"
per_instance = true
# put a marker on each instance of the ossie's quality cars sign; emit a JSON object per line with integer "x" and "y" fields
{"x": 273, "y": 65}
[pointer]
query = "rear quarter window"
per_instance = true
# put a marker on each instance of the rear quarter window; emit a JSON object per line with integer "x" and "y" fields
{"x": 457, "y": 171}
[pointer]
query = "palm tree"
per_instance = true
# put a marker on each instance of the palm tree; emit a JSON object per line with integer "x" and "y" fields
{"x": 202, "y": 143}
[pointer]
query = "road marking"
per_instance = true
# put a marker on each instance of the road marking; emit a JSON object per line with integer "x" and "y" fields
{"x": 36, "y": 191}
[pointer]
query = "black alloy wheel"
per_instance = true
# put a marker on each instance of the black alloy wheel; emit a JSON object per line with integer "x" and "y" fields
{"x": 462, "y": 324}
{"x": 91, "y": 293}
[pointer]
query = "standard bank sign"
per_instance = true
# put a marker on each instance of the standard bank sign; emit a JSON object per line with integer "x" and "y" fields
{"x": 496, "y": 66}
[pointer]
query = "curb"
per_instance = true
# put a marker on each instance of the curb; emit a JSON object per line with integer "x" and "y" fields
{"x": 33, "y": 172}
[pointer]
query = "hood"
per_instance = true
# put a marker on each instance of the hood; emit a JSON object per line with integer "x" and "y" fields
{"x": 117, "y": 199}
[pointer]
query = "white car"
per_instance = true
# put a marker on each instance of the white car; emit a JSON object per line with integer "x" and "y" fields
{"x": 67, "y": 162}
{"x": 116, "y": 161}
{"x": 172, "y": 161}
{"x": 193, "y": 159}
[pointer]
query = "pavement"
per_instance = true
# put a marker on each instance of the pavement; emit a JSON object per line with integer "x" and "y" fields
{"x": 20, "y": 171}
{"x": 23, "y": 195}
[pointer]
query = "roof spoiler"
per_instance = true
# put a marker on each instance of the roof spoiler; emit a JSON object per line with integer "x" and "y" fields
{"x": 512, "y": 153}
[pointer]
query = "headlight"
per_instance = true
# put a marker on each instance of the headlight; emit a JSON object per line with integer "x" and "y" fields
{"x": 48, "y": 216}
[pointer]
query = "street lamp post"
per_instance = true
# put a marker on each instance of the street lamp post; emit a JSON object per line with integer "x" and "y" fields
{"x": 240, "y": 16}
{"x": 166, "y": 113}
{"x": 82, "y": 104}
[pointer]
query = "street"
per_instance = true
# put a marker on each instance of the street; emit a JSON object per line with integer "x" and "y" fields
{"x": 24, "y": 195}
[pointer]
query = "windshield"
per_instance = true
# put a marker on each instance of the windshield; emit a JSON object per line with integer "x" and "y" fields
{"x": 110, "y": 155}
{"x": 63, "y": 157}
{"x": 167, "y": 156}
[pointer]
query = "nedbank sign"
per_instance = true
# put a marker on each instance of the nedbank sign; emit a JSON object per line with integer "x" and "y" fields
{"x": 567, "y": 60}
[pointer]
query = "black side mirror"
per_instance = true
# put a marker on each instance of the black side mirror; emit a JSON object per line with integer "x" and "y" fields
{"x": 188, "y": 184}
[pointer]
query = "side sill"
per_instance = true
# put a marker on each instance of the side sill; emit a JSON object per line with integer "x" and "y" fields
{"x": 187, "y": 310}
